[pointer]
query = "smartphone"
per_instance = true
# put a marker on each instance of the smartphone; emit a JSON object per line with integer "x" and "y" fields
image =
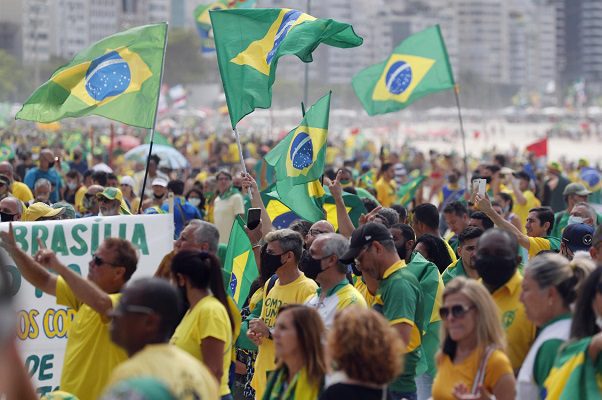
{"x": 479, "y": 186}
{"x": 253, "y": 218}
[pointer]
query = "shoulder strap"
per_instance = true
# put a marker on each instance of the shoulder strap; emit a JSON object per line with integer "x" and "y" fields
{"x": 271, "y": 283}
{"x": 480, "y": 377}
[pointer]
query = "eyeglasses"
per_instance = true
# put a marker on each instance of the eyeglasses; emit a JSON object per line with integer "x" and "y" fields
{"x": 457, "y": 311}
{"x": 123, "y": 308}
{"x": 366, "y": 247}
{"x": 316, "y": 232}
{"x": 100, "y": 261}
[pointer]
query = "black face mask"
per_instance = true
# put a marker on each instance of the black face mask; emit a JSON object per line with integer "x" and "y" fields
{"x": 5, "y": 217}
{"x": 355, "y": 269}
{"x": 157, "y": 196}
{"x": 494, "y": 270}
{"x": 271, "y": 263}
{"x": 312, "y": 267}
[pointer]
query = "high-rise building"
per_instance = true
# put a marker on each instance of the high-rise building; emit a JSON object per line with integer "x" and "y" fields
{"x": 27, "y": 25}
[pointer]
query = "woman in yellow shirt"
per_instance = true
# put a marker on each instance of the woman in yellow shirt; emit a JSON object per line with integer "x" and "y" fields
{"x": 471, "y": 361}
{"x": 206, "y": 330}
{"x": 301, "y": 362}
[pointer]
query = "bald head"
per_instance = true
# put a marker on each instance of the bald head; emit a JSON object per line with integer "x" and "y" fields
{"x": 6, "y": 168}
{"x": 11, "y": 206}
{"x": 46, "y": 159}
{"x": 316, "y": 229}
{"x": 498, "y": 242}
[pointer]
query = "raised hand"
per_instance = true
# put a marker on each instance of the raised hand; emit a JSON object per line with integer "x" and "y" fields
{"x": 7, "y": 240}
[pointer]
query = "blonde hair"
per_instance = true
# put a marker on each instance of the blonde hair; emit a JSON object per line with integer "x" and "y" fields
{"x": 488, "y": 326}
{"x": 364, "y": 346}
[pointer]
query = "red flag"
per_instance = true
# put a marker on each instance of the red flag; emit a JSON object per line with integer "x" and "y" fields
{"x": 539, "y": 148}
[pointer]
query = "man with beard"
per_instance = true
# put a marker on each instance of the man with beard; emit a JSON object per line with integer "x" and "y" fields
{"x": 467, "y": 240}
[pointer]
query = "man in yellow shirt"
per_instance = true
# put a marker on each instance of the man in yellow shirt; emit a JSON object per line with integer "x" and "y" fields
{"x": 142, "y": 324}
{"x": 496, "y": 261}
{"x": 20, "y": 190}
{"x": 523, "y": 198}
{"x": 283, "y": 252}
{"x": 90, "y": 356}
{"x": 386, "y": 188}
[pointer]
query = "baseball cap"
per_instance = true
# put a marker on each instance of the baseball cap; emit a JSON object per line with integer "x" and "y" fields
{"x": 111, "y": 193}
{"x": 127, "y": 180}
{"x": 40, "y": 210}
{"x": 159, "y": 182}
{"x": 578, "y": 237}
{"x": 576, "y": 188}
{"x": 69, "y": 210}
{"x": 362, "y": 236}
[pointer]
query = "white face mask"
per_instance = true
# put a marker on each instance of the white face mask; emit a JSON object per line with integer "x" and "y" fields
{"x": 195, "y": 201}
{"x": 575, "y": 220}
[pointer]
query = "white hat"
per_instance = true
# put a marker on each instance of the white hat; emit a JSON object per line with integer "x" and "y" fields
{"x": 159, "y": 182}
{"x": 127, "y": 180}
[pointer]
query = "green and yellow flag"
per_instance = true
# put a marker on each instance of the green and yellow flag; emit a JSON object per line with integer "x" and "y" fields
{"x": 117, "y": 78}
{"x": 299, "y": 157}
{"x": 407, "y": 191}
{"x": 417, "y": 67}
{"x": 250, "y": 42}
{"x": 203, "y": 21}
{"x": 240, "y": 263}
{"x": 574, "y": 374}
{"x": 286, "y": 203}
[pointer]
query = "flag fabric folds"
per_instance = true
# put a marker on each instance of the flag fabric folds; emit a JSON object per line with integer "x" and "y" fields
{"x": 117, "y": 77}
{"x": 418, "y": 66}
{"x": 407, "y": 191}
{"x": 249, "y": 43}
{"x": 203, "y": 21}
{"x": 539, "y": 148}
{"x": 240, "y": 263}
{"x": 299, "y": 157}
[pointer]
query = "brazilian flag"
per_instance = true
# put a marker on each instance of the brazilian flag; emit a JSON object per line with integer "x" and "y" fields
{"x": 117, "y": 78}
{"x": 353, "y": 204}
{"x": 574, "y": 374}
{"x": 417, "y": 67}
{"x": 203, "y": 21}
{"x": 299, "y": 157}
{"x": 240, "y": 263}
{"x": 285, "y": 202}
{"x": 407, "y": 191}
{"x": 250, "y": 42}
{"x": 6, "y": 152}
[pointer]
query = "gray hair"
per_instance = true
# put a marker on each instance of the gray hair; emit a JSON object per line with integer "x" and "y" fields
{"x": 336, "y": 244}
{"x": 590, "y": 210}
{"x": 42, "y": 182}
{"x": 555, "y": 270}
{"x": 288, "y": 239}
{"x": 205, "y": 232}
{"x": 389, "y": 216}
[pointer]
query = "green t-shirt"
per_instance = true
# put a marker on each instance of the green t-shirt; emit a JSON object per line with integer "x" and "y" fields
{"x": 544, "y": 359}
{"x": 399, "y": 300}
{"x": 453, "y": 271}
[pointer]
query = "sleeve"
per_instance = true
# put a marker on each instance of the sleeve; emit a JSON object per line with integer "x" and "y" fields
{"x": 65, "y": 296}
{"x": 497, "y": 366}
{"x": 29, "y": 179}
{"x": 243, "y": 341}
{"x": 215, "y": 323}
{"x": 399, "y": 303}
{"x": 238, "y": 206}
{"x": 544, "y": 360}
{"x": 537, "y": 244}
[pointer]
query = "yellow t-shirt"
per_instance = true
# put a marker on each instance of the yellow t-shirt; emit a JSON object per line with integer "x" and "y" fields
{"x": 184, "y": 375}
{"x": 450, "y": 374}
{"x": 386, "y": 192}
{"x": 208, "y": 318}
{"x": 520, "y": 331}
{"x": 522, "y": 211}
{"x": 21, "y": 191}
{"x": 537, "y": 244}
{"x": 361, "y": 287}
{"x": 293, "y": 293}
{"x": 90, "y": 355}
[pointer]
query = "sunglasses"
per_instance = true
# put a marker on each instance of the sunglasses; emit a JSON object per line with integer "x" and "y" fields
{"x": 99, "y": 261}
{"x": 457, "y": 311}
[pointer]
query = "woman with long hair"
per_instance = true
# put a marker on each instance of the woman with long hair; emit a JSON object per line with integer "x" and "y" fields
{"x": 367, "y": 351}
{"x": 549, "y": 288}
{"x": 471, "y": 362}
{"x": 579, "y": 361}
{"x": 206, "y": 329}
{"x": 301, "y": 366}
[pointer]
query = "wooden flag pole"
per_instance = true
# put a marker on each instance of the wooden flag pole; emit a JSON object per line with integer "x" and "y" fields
{"x": 152, "y": 131}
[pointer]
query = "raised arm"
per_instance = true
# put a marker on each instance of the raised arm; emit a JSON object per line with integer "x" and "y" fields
{"x": 484, "y": 204}
{"x": 33, "y": 272}
{"x": 344, "y": 221}
{"x": 249, "y": 183}
{"x": 85, "y": 290}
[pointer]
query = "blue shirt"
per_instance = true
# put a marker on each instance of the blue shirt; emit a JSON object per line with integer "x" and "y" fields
{"x": 183, "y": 212}
{"x": 35, "y": 173}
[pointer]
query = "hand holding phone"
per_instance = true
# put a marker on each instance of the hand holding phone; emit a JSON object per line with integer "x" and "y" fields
{"x": 253, "y": 218}
{"x": 479, "y": 186}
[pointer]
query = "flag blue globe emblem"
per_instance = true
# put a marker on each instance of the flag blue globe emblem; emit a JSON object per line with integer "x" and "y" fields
{"x": 399, "y": 77}
{"x": 233, "y": 282}
{"x": 108, "y": 75}
{"x": 302, "y": 151}
{"x": 285, "y": 26}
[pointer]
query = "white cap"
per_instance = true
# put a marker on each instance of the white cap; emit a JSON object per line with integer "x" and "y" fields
{"x": 127, "y": 180}
{"x": 159, "y": 182}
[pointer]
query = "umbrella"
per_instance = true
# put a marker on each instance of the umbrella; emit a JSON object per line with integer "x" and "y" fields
{"x": 168, "y": 155}
{"x": 126, "y": 142}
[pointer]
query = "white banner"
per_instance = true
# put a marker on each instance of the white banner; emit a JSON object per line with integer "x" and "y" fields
{"x": 42, "y": 324}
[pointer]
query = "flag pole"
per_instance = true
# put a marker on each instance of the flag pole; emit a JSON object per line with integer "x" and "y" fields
{"x": 306, "y": 72}
{"x": 152, "y": 130}
{"x": 456, "y": 93}
{"x": 242, "y": 160}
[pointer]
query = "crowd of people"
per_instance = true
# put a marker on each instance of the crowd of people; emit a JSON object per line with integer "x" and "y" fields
{"x": 451, "y": 295}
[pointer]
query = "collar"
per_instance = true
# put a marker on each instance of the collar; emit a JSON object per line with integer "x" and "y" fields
{"x": 228, "y": 193}
{"x": 512, "y": 285}
{"x": 393, "y": 268}
{"x": 335, "y": 288}
{"x": 556, "y": 319}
